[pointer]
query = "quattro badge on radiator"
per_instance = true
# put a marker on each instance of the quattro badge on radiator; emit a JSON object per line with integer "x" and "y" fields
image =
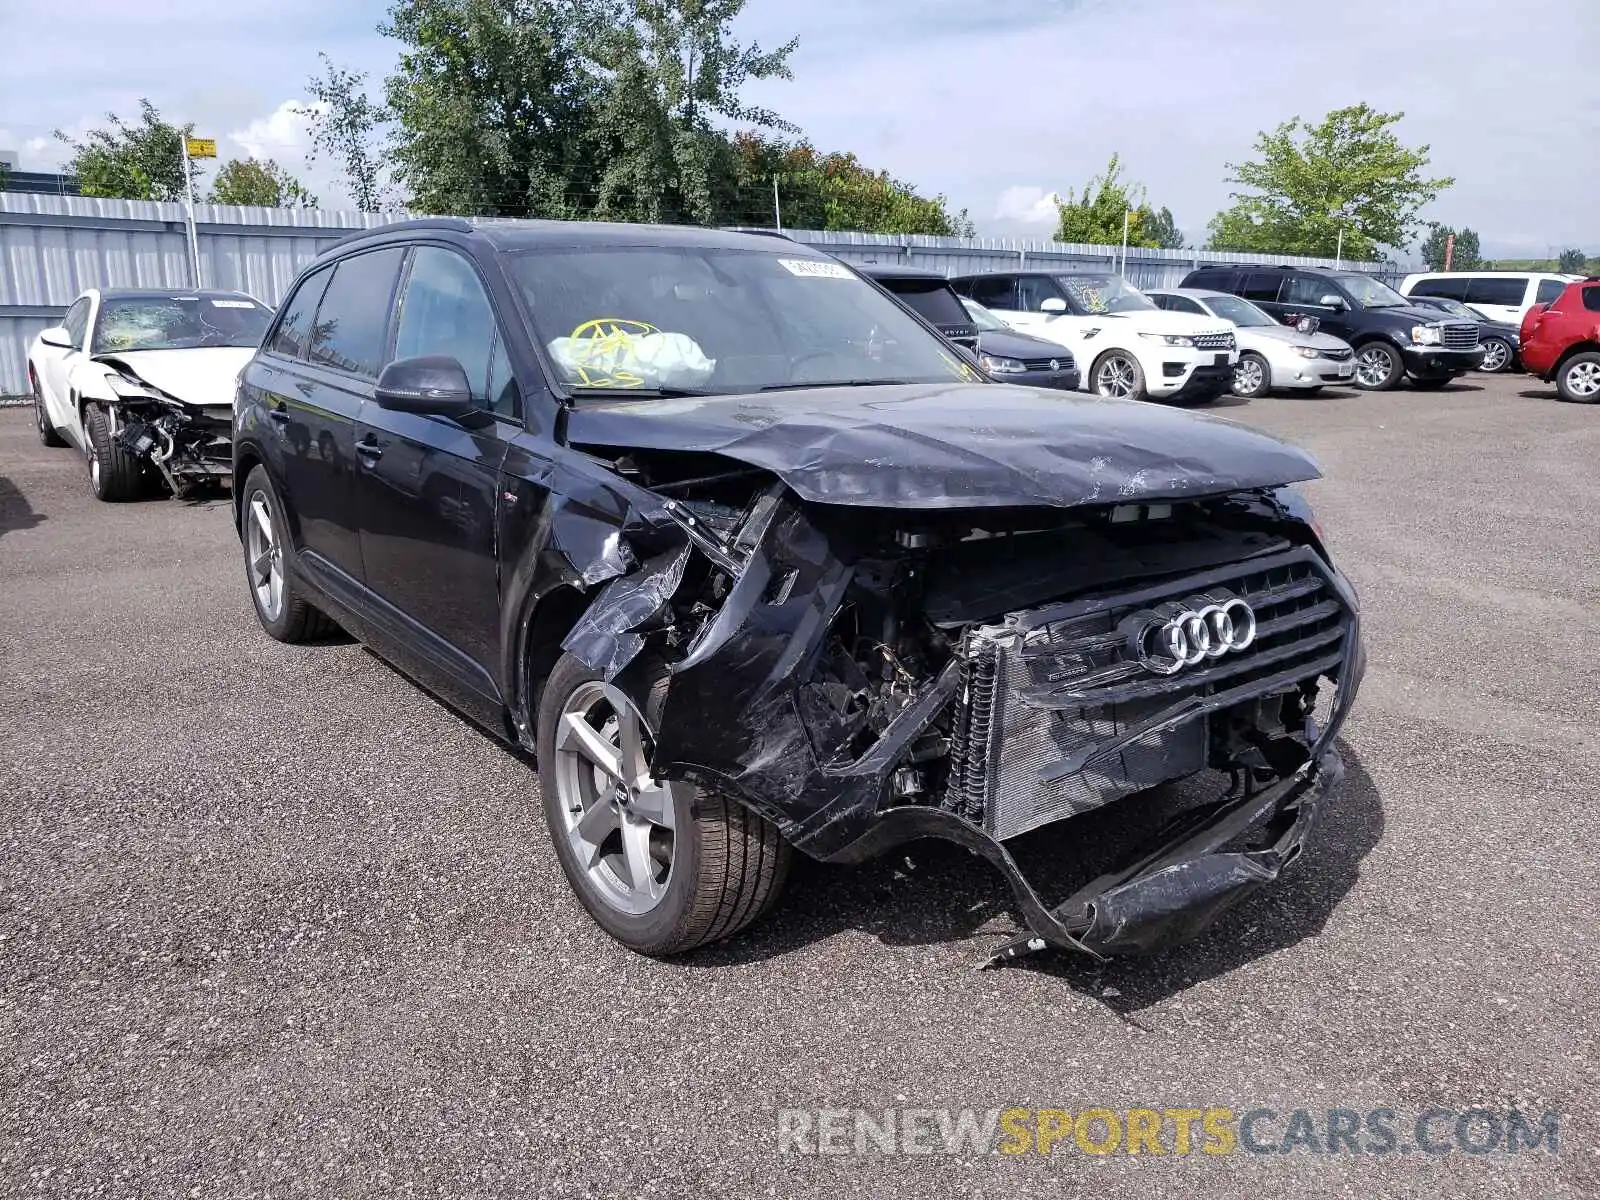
{"x": 1178, "y": 634}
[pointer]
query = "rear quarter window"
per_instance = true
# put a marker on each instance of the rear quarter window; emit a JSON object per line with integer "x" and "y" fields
{"x": 1549, "y": 291}
{"x": 1486, "y": 289}
{"x": 1217, "y": 279}
{"x": 1446, "y": 288}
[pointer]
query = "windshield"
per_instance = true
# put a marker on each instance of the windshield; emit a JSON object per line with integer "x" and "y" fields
{"x": 1090, "y": 295}
{"x": 717, "y": 321}
{"x": 985, "y": 320}
{"x": 1241, "y": 312}
{"x": 178, "y": 323}
{"x": 1457, "y": 308}
{"x": 1371, "y": 293}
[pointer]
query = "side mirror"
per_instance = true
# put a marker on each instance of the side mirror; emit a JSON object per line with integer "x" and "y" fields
{"x": 57, "y": 336}
{"x": 1054, "y": 305}
{"x": 431, "y": 385}
{"x": 1334, "y": 302}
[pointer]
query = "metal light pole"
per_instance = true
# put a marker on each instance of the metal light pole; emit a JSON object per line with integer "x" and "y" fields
{"x": 777, "y": 209}
{"x": 1338, "y": 253}
{"x": 1126, "y": 217}
{"x": 194, "y": 236}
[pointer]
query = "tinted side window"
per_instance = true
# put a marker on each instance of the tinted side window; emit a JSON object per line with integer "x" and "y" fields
{"x": 997, "y": 291}
{"x": 1216, "y": 279}
{"x": 353, "y": 318}
{"x": 1262, "y": 285}
{"x": 1591, "y": 298}
{"x": 1487, "y": 290}
{"x": 1309, "y": 290}
{"x": 1035, "y": 290}
{"x": 295, "y": 328}
{"x": 1184, "y": 305}
{"x": 1449, "y": 287}
{"x": 76, "y": 322}
{"x": 1549, "y": 289}
{"x": 445, "y": 311}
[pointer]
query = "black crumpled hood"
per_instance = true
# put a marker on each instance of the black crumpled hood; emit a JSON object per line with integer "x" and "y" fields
{"x": 956, "y": 445}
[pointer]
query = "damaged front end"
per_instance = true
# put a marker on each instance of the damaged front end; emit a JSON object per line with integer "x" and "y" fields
{"x": 189, "y": 445}
{"x": 864, "y": 677}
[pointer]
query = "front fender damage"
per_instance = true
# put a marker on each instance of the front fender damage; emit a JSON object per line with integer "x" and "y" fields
{"x": 796, "y": 688}
{"x": 189, "y": 445}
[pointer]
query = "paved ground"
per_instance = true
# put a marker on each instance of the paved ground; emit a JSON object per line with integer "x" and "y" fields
{"x": 275, "y": 923}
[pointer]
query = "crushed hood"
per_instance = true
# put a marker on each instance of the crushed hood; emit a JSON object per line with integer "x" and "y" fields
{"x": 956, "y": 445}
{"x": 205, "y": 375}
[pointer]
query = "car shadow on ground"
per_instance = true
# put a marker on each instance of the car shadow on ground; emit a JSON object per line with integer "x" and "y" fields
{"x": 934, "y": 892}
{"x": 1545, "y": 393}
{"x": 15, "y": 511}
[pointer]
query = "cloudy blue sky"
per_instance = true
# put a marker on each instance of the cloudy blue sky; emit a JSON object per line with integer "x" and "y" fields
{"x": 996, "y": 103}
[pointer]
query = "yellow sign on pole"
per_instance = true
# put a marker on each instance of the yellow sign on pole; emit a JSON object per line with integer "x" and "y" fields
{"x": 201, "y": 147}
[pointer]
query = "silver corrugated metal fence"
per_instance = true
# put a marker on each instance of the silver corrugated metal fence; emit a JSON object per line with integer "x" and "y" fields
{"x": 52, "y": 247}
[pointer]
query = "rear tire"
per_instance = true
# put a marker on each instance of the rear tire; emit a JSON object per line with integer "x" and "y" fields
{"x": 282, "y": 608}
{"x": 725, "y": 866}
{"x": 1252, "y": 377}
{"x": 1378, "y": 366}
{"x": 41, "y": 416}
{"x": 1578, "y": 380}
{"x": 1498, "y": 356}
{"x": 115, "y": 475}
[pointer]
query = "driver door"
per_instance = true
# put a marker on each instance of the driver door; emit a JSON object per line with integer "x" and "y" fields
{"x": 1304, "y": 296}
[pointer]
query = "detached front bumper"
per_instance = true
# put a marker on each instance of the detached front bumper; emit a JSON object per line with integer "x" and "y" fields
{"x": 1435, "y": 360}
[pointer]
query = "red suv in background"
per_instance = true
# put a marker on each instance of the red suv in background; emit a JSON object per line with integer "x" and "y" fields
{"x": 1561, "y": 341}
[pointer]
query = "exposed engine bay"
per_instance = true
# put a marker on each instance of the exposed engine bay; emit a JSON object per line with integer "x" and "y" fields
{"x": 866, "y": 676}
{"x": 189, "y": 445}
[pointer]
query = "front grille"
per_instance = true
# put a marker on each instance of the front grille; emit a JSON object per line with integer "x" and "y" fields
{"x": 1057, "y": 717}
{"x": 1341, "y": 355}
{"x": 1061, "y": 362}
{"x": 1462, "y": 336}
{"x": 1213, "y": 341}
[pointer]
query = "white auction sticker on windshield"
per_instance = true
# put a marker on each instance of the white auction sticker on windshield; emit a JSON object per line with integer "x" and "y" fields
{"x": 232, "y": 304}
{"x": 810, "y": 268}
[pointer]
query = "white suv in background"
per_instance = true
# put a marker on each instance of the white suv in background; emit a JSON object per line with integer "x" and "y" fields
{"x": 1125, "y": 345}
{"x": 1499, "y": 295}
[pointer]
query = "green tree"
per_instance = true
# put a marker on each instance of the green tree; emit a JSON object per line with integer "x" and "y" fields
{"x": 672, "y": 73}
{"x": 259, "y": 181}
{"x": 1349, "y": 171}
{"x": 140, "y": 160}
{"x": 1464, "y": 256}
{"x": 491, "y": 101}
{"x": 1572, "y": 262}
{"x": 833, "y": 191}
{"x": 1096, "y": 217}
{"x": 1160, "y": 226}
{"x": 346, "y": 125}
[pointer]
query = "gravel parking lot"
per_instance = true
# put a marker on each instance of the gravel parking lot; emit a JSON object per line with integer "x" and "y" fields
{"x": 275, "y": 923}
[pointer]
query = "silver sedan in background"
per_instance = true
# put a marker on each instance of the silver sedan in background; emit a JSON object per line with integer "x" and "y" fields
{"x": 1271, "y": 355}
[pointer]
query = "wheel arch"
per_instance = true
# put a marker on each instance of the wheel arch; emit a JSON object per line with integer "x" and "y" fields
{"x": 1588, "y": 346}
{"x": 545, "y": 619}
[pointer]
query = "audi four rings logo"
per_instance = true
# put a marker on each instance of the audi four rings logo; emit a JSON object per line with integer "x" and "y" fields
{"x": 1169, "y": 637}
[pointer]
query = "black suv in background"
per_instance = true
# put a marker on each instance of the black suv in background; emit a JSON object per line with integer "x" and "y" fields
{"x": 1392, "y": 337}
{"x": 754, "y": 562}
{"x": 929, "y": 295}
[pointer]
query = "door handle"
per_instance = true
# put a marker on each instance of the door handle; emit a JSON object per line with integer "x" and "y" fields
{"x": 280, "y": 415}
{"x": 370, "y": 448}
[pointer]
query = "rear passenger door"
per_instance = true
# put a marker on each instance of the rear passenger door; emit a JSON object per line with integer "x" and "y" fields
{"x": 427, "y": 485}
{"x": 1265, "y": 288}
{"x": 316, "y": 406}
{"x": 998, "y": 293}
{"x": 1500, "y": 298}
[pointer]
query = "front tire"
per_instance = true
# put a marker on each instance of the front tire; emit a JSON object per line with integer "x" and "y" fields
{"x": 1378, "y": 367}
{"x": 1578, "y": 380}
{"x": 115, "y": 475}
{"x": 1117, "y": 374}
{"x": 1497, "y": 356}
{"x": 41, "y": 416}
{"x": 1252, "y": 377}
{"x": 280, "y": 606}
{"x": 663, "y": 867}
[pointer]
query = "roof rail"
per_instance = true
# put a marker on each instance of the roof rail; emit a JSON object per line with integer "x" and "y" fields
{"x": 759, "y": 230}
{"x": 455, "y": 224}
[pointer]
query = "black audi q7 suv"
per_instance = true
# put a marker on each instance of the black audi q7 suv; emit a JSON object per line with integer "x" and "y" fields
{"x": 753, "y": 562}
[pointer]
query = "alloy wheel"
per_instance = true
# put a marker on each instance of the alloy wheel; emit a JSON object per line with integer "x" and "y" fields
{"x": 1496, "y": 354}
{"x": 1372, "y": 367}
{"x": 1116, "y": 376}
{"x": 1248, "y": 377}
{"x": 620, "y": 821}
{"x": 266, "y": 558}
{"x": 1583, "y": 379}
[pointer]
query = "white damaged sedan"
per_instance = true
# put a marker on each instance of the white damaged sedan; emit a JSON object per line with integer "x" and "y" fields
{"x": 1271, "y": 355}
{"x": 142, "y": 383}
